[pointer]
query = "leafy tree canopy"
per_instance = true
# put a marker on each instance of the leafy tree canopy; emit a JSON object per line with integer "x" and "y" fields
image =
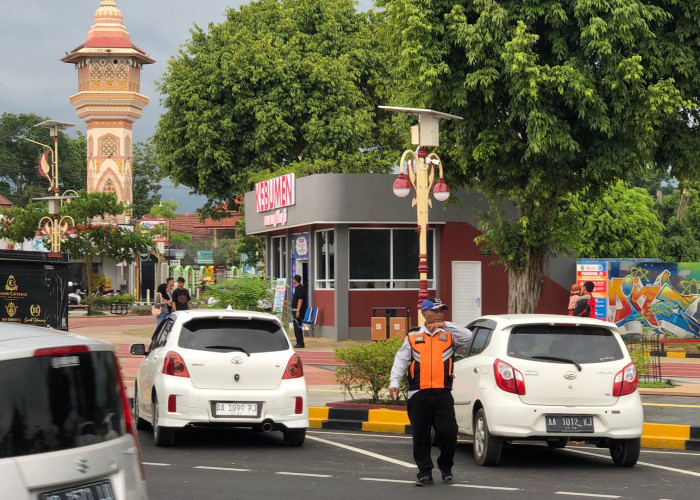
{"x": 279, "y": 82}
{"x": 19, "y": 178}
{"x": 146, "y": 178}
{"x": 557, "y": 97}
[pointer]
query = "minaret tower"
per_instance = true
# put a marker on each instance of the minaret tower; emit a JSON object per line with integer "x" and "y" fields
{"x": 109, "y": 99}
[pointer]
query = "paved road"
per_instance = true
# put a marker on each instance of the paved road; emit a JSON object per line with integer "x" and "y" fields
{"x": 243, "y": 464}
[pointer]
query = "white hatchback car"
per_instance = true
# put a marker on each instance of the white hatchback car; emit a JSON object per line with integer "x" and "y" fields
{"x": 221, "y": 368}
{"x": 550, "y": 378}
{"x": 65, "y": 420}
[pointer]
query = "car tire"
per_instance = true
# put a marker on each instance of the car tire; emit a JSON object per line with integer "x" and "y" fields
{"x": 141, "y": 424}
{"x": 162, "y": 436}
{"x": 487, "y": 447}
{"x": 625, "y": 452}
{"x": 294, "y": 437}
{"x": 557, "y": 443}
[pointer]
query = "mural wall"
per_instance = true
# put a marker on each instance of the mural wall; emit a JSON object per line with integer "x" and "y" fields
{"x": 663, "y": 296}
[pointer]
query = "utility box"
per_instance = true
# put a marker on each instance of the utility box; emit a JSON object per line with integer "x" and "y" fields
{"x": 398, "y": 327}
{"x": 378, "y": 325}
{"x": 34, "y": 288}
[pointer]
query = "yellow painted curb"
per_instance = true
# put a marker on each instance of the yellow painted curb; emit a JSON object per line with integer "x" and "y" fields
{"x": 318, "y": 412}
{"x": 669, "y": 431}
{"x": 671, "y": 354}
{"x": 388, "y": 427}
{"x": 388, "y": 416}
{"x": 315, "y": 423}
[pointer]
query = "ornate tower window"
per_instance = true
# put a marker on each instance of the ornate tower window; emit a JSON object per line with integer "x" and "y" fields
{"x": 109, "y": 186}
{"x": 108, "y": 146}
{"x": 109, "y": 77}
{"x": 96, "y": 77}
{"x": 121, "y": 78}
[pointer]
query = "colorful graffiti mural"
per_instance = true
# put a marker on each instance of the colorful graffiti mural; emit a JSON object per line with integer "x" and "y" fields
{"x": 662, "y": 296}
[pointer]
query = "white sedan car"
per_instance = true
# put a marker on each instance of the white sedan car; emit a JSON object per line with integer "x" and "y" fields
{"x": 550, "y": 378}
{"x": 220, "y": 368}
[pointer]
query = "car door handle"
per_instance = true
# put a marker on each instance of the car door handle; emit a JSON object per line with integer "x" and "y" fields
{"x": 476, "y": 370}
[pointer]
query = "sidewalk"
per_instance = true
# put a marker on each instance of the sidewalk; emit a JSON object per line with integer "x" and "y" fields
{"x": 671, "y": 415}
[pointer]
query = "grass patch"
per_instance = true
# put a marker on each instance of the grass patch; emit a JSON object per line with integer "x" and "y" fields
{"x": 143, "y": 332}
{"x": 94, "y": 312}
{"x": 656, "y": 385}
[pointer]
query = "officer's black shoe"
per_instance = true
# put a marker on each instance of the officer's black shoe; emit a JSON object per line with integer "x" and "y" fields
{"x": 424, "y": 481}
{"x": 298, "y": 346}
{"x": 447, "y": 477}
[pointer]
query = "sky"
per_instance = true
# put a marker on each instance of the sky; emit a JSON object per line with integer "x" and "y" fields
{"x": 36, "y": 34}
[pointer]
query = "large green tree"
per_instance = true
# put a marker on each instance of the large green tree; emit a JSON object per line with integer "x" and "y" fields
{"x": 146, "y": 178}
{"x": 281, "y": 84}
{"x": 19, "y": 178}
{"x": 557, "y": 97}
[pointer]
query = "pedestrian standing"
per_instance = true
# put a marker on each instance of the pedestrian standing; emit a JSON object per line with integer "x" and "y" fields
{"x": 430, "y": 352}
{"x": 181, "y": 296}
{"x": 573, "y": 297}
{"x": 298, "y": 310}
{"x": 585, "y": 306}
{"x": 166, "y": 299}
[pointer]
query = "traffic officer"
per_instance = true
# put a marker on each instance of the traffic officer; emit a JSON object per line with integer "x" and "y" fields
{"x": 430, "y": 352}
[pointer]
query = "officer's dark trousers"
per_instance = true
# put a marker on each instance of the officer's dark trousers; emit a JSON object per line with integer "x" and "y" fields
{"x": 433, "y": 408}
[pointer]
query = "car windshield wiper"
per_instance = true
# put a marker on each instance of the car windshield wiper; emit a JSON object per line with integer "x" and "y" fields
{"x": 228, "y": 348}
{"x": 563, "y": 360}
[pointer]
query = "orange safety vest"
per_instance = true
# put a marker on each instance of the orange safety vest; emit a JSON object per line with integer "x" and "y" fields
{"x": 431, "y": 366}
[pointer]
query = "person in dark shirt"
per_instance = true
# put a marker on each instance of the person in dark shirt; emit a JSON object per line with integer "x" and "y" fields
{"x": 181, "y": 296}
{"x": 166, "y": 290}
{"x": 298, "y": 309}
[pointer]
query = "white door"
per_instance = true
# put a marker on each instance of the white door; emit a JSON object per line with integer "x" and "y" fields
{"x": 466, "y": 291}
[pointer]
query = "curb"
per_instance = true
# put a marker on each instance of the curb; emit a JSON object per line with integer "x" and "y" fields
{"x": 669, "y": 436}
{"x": 672, "y": 354}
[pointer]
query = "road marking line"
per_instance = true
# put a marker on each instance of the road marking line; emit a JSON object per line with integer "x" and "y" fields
{"x": 481, "y": 487}
{"x": 155, "y": 464}
{"x": 671, "y": 405}
{"x": 379, "y": 480}
{"x": 657, "y": 452}
{"x": 647, "y": 464}
{"x": 573, "y": 493}
{"x": 220, "y": 468}
{"x": 364, "y": 452}
{"x": 302, "y": 474}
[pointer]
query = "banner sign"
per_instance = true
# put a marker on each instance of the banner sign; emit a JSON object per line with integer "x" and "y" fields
{"x": 205, "y": 257}
{"x": 154, "y": 223}
{"x": 275, "y": 193}
{"x": 280, "y": 292}
{"x": 595, "y": 271}
{"x": 300, "y": 246}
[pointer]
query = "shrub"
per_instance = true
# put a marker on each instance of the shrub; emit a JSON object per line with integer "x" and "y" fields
{"x": 368, "y": 367}
{"x": 246, "y": 293}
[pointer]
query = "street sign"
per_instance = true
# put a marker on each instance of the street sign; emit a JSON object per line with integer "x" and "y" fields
{"x": 205, "y": 257}
{"x": 174, "y": 262}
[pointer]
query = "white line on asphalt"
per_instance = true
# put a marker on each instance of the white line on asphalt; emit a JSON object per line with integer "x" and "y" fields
{"x": 478, "y": 486}
{"x": 303, "y": 474}
{"x": 657, "y": 452}
{"x": 403, "y": 481}
{"x": 364, "y": 452}
{"x": 575, "y": 494}
{"x": 155, "y": 464}
{"x": 220, "y": 468}
{"x": 647, "y": 464}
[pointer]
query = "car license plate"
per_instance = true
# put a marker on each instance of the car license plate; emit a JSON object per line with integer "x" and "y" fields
{"x": 569, "y": 423}
{"x": 101, "y": 490}
{"x": 235, "y": 409}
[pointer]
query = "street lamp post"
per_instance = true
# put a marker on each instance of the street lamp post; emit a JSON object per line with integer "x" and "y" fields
{"x": 420, "y": 167}
{"x": 56, "y": 230}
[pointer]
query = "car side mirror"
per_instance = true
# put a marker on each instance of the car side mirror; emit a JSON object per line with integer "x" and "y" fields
{"x": 138, "y": 349}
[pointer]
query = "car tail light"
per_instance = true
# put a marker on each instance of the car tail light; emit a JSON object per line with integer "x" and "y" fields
{"x": 299, "y": 405}
{"x": 60, "y": 351}
{"x": 294, "y": 368}
{"x": 625, "y": 381}
{"x": 128, "y": 419}
{"x": 174, "y": 365}
{"x": 508, "y": 378}
{"x": 172, "y": 403}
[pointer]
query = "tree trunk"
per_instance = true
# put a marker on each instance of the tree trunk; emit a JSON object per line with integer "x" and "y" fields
{"x": 525, "y": 286}
{"x": 87, "y": 261}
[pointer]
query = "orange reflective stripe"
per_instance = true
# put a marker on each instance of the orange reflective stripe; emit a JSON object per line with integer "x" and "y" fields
{"x": 432, "y": 368}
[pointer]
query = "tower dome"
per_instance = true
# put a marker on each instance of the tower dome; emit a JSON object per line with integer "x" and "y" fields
{"x": 108, "y": 26}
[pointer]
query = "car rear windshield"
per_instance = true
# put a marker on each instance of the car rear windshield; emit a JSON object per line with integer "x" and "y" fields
{"x": 51, "y": 403}
{"x": 583, "y": 344}
{"x": 228, "y": 334}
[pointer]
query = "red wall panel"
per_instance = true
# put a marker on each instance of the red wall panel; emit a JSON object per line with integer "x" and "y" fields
{"x": 325, "y": 301}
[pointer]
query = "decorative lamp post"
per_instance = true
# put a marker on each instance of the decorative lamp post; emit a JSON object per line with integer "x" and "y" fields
{"x": 420, "y": 167}
{"x": 56, "y": 230}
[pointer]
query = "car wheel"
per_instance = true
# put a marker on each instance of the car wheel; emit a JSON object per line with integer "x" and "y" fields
{"x": 162, "y": 436}
{"x": 487, "y": 448}
{"x": 141, "y": 424}
{"x": 294, "y": 437}
{"x": 625, "y": 452}
{"x": 557, "y": 443}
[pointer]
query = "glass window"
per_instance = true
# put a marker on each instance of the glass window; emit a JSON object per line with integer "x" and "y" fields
{"x": 325, "y": 259}
{"x": 232, "y": 334}
{"x": 481, "y": 340}
{"x": 387, "y": 258}
{"x": 583, "y": 344}
{"x": 52, "y": 403}
{"x": 279, "y": 257}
